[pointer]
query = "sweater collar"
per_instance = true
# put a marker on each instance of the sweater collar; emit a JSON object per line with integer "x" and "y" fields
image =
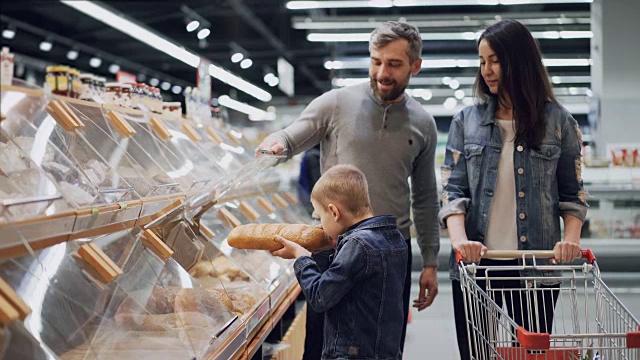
{"x": 379, "y": 101}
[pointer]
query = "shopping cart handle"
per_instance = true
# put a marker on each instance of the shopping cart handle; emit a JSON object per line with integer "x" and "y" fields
{"x": 587, "y": 254}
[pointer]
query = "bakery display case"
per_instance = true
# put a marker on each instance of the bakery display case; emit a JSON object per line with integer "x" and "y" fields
{"x": 49, "y": 145}
{"x": 267, "y": 271}
{"x": 145, "y": 169}
{"x": 17, "y": 343}
{"x": 82, "y": 308}
{"x": 160, "y": 308}
{"x": 249, "y": 300}
{"x": 114, "y": 224}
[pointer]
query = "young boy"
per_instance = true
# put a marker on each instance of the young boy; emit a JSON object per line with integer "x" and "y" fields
{"x": 361, "y": 292}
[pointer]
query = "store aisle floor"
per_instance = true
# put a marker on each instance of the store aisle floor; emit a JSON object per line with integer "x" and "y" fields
{"x": 431, "y": 334}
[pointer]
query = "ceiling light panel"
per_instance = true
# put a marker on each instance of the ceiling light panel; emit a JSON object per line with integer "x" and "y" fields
{"x": 134, "y": 30}
{"x": 45, "y": 46}
{"x": 462, "y": 80}
{"x": 310, "y": 5}
{"x": 363, "y": 63}
{"x": 203, "y": 34}
{"x": 239, "y": 83}
{"x": 254, "y": 113}
{"x": 148, "y": 37}
{"x": 193, "y": 25}
{"x": 95, "y": 62}
{"x": 445, "y": 36}
{"x": 8, "y": 33}
{"x": 473, "y": 21}
{"x": 72, "y": 54}
{"x": 339, "y": 24}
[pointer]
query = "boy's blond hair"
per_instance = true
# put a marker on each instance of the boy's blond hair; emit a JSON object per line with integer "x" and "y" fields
{"x": 345, "y": 185}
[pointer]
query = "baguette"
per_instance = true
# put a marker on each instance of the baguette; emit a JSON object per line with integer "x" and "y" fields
{"x": 260, "y": 236}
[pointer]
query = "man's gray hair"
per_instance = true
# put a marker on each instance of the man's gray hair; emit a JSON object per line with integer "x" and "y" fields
{"x": 395, "y": 30}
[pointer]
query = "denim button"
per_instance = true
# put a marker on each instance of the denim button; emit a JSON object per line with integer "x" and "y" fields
{"x": 523, "y": 238}
{"x": 521, "y": 194}
{"x": 520, "y": 171}
{"x": 520, "y": 148}
{"x": 522, "y": 216}
{"x": 490, "y": 193}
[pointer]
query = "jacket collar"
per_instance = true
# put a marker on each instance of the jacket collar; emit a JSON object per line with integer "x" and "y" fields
{"x": 370, "y": 223}
{"x": 489, "y": 112}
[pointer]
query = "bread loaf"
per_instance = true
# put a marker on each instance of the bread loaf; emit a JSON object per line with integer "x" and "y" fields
{"x": 260, "y": 236}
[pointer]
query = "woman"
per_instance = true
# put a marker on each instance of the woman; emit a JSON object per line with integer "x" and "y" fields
{"x": 512, "y": 169}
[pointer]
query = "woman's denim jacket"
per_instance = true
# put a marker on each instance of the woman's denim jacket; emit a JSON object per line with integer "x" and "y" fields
{"x": 361, "y": 292}
{"x": 548, "y": 179}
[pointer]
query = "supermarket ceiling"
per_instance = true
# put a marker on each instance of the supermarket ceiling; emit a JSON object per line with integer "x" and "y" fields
{"x": 325, "y": 42}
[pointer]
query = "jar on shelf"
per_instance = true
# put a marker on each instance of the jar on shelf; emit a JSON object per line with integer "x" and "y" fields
{"x": 135, "y": 94}
{"x": 6, "y": 66}
{"x": 112, "y": 93}
{"x": 125, "y": 95}
{"x": 100, "y": 87}
{"x": 58, "y": 79}
{"x": 172, "y": 110}
{"x": 86, "y": 87}
{"x": 146, "y": 96}
{"x": 76, "y": 84}
{"x": 157, "y": 100}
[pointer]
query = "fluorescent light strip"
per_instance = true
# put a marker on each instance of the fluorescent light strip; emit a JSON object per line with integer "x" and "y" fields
{"x": 309, "y": 24}
{"x": 571, "y": 79}
{"x": 254, "y": 113}
{"x": 447, "y": 63}
{"x": 562, "y": 34}
{"x": 439, "y": 110}
{"x": 432, "y": 36}
{"x": 441, "y": 92}
{"x": 134, "y": 30}
{"x": 444, "y": 2}
{"x": 428, "y": 93}
{"x": 463, "y": 80}
{"x": 227, "y": 77}
{"x": 143, "y": 35}
{"x": 338, "y": 37}
{"x": 527, "y": 2}
{"x": 344, "y": 25}
{"x": 309, "y": 5}
{"x": 419, "y": 92}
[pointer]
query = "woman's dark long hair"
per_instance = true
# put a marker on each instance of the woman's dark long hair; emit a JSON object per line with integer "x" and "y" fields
{"x": 523, "y": 79}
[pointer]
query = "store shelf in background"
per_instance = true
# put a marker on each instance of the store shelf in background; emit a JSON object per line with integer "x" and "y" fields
{"x": 611, "y": 176}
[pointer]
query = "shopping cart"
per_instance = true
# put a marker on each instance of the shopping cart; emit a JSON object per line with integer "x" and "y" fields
{"x": 509, "y": 316}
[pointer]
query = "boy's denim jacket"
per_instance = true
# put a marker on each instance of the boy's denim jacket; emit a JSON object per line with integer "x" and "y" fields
{"x": 548, "y": 179}
{"x": 361, "y": 292}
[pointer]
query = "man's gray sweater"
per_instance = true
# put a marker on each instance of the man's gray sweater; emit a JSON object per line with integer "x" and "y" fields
{"x": 388, "y": 143}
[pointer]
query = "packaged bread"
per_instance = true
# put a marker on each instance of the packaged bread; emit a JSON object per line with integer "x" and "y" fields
{"x": 260, "y": 236}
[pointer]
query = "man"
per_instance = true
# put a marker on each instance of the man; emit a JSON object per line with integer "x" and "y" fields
{"x": 389, "y": 137}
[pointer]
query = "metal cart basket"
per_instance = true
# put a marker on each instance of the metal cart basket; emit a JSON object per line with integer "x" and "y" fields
{"x": 569, "y": 313}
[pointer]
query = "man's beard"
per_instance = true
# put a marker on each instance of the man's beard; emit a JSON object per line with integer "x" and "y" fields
{"x": 390, "y": 95}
